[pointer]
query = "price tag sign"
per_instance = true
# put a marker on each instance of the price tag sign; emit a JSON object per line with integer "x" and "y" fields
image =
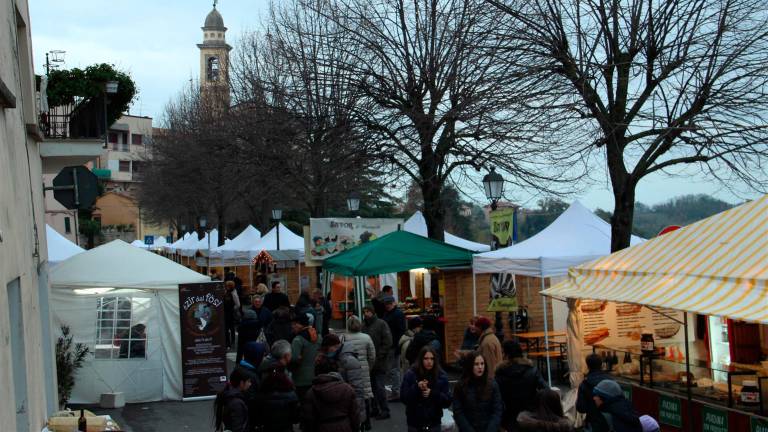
{"x": 714, "y": 420}
{"x": 670, "y": 411}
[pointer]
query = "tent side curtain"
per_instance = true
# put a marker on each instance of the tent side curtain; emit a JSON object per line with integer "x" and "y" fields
{"x": 396, "y": 252}
{"x": 716, "y": 266}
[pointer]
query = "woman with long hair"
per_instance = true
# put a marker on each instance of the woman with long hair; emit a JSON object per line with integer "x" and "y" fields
{"x": 477, "y": 405}
{"x": 548, "y": 416}
{"x": 425, "y": 392}
{"x": 230, "y": 411}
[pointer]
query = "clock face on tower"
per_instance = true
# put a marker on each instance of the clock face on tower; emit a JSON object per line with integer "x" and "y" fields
{"x": 213, "y": 69}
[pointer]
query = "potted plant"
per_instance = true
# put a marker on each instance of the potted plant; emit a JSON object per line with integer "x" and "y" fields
{"x": 69, "y": 358}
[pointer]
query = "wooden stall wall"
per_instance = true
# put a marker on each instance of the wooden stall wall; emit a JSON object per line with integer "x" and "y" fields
{"x": 458, "y": 305}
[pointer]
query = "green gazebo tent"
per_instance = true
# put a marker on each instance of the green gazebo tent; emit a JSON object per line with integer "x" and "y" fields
{"x": 395, "y": 252}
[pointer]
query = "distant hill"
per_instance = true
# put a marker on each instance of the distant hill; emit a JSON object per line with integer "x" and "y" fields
{"x": 683, "y": 210}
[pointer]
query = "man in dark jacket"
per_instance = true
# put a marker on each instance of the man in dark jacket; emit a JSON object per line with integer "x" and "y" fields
{"x": 255, "y": 319}
{"x": 519, "y": 381}
{"x": 425, "y": 336}
{"x": 378, "y": 300}
{"x": 277, "y": 402}
{"x": 379, "y": 332}
{"x": 330, "y": 405}
{"x": 594, "y": 421}
{"x": 280, "y": 327}
{"x": 395, "y": 319}
{"x": 617, "y": 410}
{"x": 276, "y": 298}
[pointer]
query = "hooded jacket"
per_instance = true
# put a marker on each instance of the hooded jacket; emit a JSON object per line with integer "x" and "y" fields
{"x": 585, "y": 404}
{"x": 395, "y": 319}
{"x": 351, "y": 371}
{"x": 330, "y": 406}
{"x": 362, "y": 345}
{"x": 277, "y": 403}
{"x": 304, "y": 348}
{"x": 234, "y": 410}
{"x": 379, "y": 332}
{"x": 621, "y": 416}
{"x": 249, "y": 329}
{"x": 518, "y": 382}
{"x": 280, "y": 326}
{"x": 528, "y": 422}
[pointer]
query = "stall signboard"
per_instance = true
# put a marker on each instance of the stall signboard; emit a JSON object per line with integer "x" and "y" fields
{"x": 713, "y": 419}
{"x": 758, "y": 425}
{"x": 203, "y": 345}
{"x": 329, "y": 236}
{"x": 670, "y": 411}
{"x": 621, "y": 325}
{"x": 503, "y": 291}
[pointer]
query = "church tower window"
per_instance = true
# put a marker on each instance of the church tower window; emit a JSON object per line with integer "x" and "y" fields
{"x": 213, "y": 69}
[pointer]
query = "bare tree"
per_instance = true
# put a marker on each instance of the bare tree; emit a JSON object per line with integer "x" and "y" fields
{"x": 287, "y": 78}
{"x": 444, "y": 96}
{"x": 663, "y": 84}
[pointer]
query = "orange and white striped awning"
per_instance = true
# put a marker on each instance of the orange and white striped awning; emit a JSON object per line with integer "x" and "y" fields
{"x": 717, "y": 266}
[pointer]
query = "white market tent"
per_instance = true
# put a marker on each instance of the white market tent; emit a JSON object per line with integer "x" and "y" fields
{"x": 160, "y": 242}
{"x": 239, "y": 248}
{"x": 139, "y": 244}
{"x": 575, "y": 237}
{"x": 172, "y": 247}
{"x": 416, "y": 224}
{"x": 59, "y": 247}
{"x": 291, "y": 249}
{"x": 190, "y": 246}
{"x": 108, "y": 290}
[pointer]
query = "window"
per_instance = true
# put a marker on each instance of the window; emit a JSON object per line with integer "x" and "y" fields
{"x": 119, "y": 334}
{"x": 113, "y": 140}
{"x": 125, "y": 147}
{"x": 125, "y": 166}
{"x": 137, "y": 139}
{"x": 67, "y": 227}
{"x": 213, "y": 68}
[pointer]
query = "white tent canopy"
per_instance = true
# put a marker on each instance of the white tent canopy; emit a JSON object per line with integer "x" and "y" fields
{"x": 190, "y": 246}
{"x": 144, "y": 286}
{"x": 59, "y": 247}
{"x": 172, "y": 247}
{"x": 239, "y": 246}
{"x": 575, "y": 237}
{"x": 416, "y": 224}
{"x": 139, "y": 244}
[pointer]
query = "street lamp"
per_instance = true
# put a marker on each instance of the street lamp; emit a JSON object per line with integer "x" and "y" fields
{"x": 493, "y": 183}
{"x": 203, "y": 223}
{"x": 110, "y": 87}
{"x": 353, "y": 201}
{"x": 277, "y": 214}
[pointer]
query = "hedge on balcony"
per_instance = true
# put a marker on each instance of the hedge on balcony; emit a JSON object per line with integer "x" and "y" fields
{"x": 66, "y": 86}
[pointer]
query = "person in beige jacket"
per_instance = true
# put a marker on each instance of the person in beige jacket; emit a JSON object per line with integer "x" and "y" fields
{"x": 489, "y": 346}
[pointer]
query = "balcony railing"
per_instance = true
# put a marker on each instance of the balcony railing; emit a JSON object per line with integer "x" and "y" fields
{"x": 84, "y": 120}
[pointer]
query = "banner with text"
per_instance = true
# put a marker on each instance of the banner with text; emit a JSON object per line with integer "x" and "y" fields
{"x": 203, "y": 346}
{"x": 329, "y": 236}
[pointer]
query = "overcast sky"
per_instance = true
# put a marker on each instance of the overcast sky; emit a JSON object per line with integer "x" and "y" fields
{"x": 155, "y": 41}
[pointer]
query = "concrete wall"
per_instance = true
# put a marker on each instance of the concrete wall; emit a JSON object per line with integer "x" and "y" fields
{"x": 25, "y": 335}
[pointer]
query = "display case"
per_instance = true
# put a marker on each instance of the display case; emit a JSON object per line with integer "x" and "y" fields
{"x": 665, "y": 369}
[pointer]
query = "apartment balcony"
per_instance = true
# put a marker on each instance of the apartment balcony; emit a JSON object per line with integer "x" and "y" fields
{"x": 71, "y": 136}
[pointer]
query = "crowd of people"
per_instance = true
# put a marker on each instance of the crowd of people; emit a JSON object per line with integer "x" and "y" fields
{"x": 291, "y": 370}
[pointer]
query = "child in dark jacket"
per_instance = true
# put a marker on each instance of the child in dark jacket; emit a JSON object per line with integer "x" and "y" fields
{"x": 594, "y": 421}
{"x": 230, "y": 408}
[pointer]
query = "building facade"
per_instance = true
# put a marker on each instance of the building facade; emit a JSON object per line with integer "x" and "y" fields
{"x": 27, "y": 372}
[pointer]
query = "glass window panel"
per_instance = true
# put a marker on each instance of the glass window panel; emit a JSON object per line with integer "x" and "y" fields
{"x": 123, "y": 315}
{"x": 124, "y": 304}
{"x": 123, "y": 323}
{"x": 108, "y": 302}
{"x": 138, "y": 349}
{"x": 105, "y": 333}
{"x": 106, "y": 323}
{"x": 102, "y": 354}
{"x": 107, "y": 315}
{"x": 106, "y": 341}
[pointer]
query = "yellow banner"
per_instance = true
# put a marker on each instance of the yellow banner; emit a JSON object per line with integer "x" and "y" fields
{"x": 501, "y": 226}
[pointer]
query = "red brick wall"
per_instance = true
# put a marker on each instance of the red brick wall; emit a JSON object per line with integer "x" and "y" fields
{"x": 458, "y": 305}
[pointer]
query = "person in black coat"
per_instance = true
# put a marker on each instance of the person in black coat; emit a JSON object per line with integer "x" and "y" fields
{"x": 425, "y": 392}
{"x": 230, "y": 407}
{"x": 255, "y": 319}
{"x": 617, "y": 410}
{"x": 276, "y": 298}
{"x": 395, "y": 319}
{"x": 518, "y": 381}
{"x": 477, "y": 405}
{"x": 424, "y": 337}
{"x": 594, "y": 421}
{"x": 277, "y": 402}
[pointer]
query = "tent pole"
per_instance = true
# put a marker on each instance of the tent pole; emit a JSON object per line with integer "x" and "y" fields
{"x": 546, "y": 329}
{"x": 250, "y": 275}
{"x": 688, "y": 374}
{"x": 298, "y": 265}
{"x": 474, "y": 293}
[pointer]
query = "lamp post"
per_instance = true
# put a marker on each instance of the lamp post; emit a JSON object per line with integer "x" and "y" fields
{"x": 353, "y": 202}
{"x": 110, "y": 87}
{"x": 493, "y": 184}
{"x": 277, "y": 214}
{"x": 203, "y": 223}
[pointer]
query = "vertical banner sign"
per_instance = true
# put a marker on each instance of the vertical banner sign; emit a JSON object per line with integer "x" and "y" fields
{"x": 503, "y": 292}
{"x": 670, "y": 411}
{"x": 203, "y": 346}
{"x": 713, "y": 419}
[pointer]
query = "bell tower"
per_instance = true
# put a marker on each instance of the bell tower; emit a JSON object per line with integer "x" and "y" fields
{"x": 214, "y": 56}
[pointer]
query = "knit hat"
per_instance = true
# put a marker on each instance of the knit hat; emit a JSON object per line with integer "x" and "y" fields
{"x": 388, "y": 299}
{"x": 330, "y": 340}
{"x": 414, "y": 322}
{"x": 369, "y": 306}
{"x": 254, "y": 352}
{"x": 483, "y": 322}
{"x": 608, "y": 390}
{"x": 302, "y": 319}
{"x": 649, "y": 424}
